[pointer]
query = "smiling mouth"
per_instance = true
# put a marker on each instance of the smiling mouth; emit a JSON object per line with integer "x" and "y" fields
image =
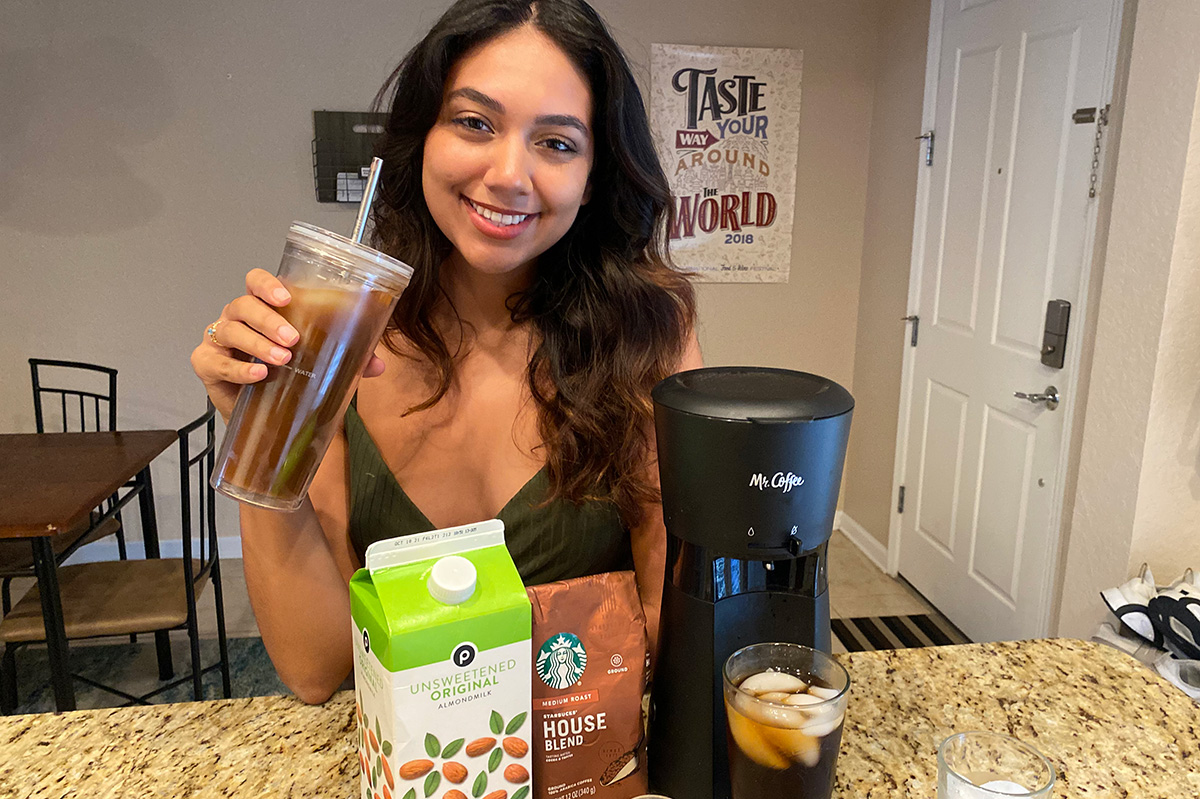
{"x": 496, "y": 217}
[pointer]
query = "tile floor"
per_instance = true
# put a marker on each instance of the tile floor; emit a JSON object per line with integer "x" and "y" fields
{"x": 857, "y": 587}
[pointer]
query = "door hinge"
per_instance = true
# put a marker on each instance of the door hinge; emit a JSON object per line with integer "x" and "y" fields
{"x": 927, "y": 137}
{"x": 916, "y": 323}
{"x": 900, "y": 501}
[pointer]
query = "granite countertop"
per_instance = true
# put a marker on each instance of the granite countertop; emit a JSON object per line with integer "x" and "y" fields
{"x": 1111, "y": 727}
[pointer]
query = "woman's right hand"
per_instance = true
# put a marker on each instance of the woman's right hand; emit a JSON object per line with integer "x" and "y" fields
{"x": 249, "y": 327}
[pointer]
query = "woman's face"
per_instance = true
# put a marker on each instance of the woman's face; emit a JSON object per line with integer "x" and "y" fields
{"x": 507, "y": 162}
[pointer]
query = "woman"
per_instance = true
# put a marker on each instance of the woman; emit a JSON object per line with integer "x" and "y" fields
{"x": 520, "y": 183}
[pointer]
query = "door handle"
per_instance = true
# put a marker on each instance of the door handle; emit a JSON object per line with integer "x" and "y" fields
{"x": 1050, "y": 397}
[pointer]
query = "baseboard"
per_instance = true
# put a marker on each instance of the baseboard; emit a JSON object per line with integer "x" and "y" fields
{"x": 230, "y": 549}
{"x": 867, "y": 543}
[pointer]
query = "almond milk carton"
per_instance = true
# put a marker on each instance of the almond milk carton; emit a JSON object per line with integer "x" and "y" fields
{"x": 442, "y": 661}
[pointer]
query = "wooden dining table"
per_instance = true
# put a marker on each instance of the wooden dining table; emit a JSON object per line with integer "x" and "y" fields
{"x": 49, "y": 484}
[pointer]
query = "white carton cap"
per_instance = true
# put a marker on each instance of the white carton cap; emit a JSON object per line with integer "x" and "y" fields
{"x": 452, "y": 580}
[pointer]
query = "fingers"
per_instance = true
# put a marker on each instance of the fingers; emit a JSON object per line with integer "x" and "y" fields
{"x": 248, "y": 328}
{"x": 242, "y": 338}
{"x": 213, "y": 365}
{"x": 267, "y": 287}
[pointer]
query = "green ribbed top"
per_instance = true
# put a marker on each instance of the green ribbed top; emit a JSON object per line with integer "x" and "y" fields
{"x": 556, "y": 542}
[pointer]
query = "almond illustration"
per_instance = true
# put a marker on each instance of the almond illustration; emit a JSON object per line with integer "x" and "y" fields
{"x": 480, "y": 746}
{"x": 515, "y": 772}
{"x": 515, "y": 747}
{"x": 374, "y": 741}
{"x": 454, "y": 795}
{"x": 455, "y": 772}
{"x": 415, "y": 768}
{"x": 497, "y": 795}
{"x": 387, "y": 772}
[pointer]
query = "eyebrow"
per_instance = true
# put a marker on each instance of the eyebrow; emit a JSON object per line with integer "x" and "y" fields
{"x": 491, "y": 103}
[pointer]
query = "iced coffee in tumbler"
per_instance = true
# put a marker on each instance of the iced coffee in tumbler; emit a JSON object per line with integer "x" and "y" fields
{"x": 342, "y": 296}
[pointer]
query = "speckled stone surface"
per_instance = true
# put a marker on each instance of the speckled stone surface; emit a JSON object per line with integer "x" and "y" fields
{"x": 1112, "y": 728}
{"x": 266, "y": 746}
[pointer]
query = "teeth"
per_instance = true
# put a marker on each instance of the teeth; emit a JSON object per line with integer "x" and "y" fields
{"x": 504, "y": 220}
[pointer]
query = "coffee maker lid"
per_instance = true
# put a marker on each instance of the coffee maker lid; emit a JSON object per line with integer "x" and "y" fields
{"x": 752, "y": 393}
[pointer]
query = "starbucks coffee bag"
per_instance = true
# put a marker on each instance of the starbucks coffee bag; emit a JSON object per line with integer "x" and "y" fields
{"x": 590, "y": 663}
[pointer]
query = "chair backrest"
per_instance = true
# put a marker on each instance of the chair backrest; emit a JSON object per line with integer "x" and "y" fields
{"x": 197, "y": 498}
{"x": 76, "y": 408}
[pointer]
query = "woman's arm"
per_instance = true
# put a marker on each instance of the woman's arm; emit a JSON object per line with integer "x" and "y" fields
{"x": 649, "y": 537}
{"x": 297, "y": 568}
{"x": 297, "y": 564}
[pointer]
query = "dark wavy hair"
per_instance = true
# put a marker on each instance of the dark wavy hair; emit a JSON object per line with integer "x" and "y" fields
{"x": 611, "y": 316}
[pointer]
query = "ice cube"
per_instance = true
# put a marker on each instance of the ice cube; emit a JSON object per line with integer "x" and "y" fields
{"x": 823, "y": 693}
{"x": 1005, "y": 786}
{"x": 822, "y": 725}
{"x": 775, "y": 696}
{"x": 795, "y": 744}
{"x": 769, "y": 681}
{"x": 802, "y": 699}
{"x": 769, "y": 714}
{"x": 750, "y": 739}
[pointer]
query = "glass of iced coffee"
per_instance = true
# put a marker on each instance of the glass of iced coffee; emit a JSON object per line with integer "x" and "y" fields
{"x": 343, "y": 293}
{"x": 785, "y": 704}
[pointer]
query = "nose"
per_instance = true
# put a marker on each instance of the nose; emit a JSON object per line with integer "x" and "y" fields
{"x": 510, "y": 173}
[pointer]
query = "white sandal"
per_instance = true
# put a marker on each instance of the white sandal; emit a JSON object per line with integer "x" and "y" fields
{"x": 1183, "y": 674}
{"x": 1175, "y": 613}
{"x": 1130, "y": 603}
{"x": 1133, "y": 646}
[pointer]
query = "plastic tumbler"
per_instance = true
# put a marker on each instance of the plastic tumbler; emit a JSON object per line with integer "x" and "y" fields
{"x": 785, "y": 705}
{"x": 342, "y": 296}
{"x": 989, "y": 765}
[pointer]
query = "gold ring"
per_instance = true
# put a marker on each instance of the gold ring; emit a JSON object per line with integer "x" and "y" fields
{"x": 211, "y": 332}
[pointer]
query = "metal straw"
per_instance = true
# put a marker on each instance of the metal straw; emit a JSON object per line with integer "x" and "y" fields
{"x": 368, "y": 197}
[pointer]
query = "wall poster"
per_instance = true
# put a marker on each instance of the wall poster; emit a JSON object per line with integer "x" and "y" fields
{"x": 726, "y": 123}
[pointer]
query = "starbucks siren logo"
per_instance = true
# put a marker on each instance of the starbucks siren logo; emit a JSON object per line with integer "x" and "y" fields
{"x": 561, "y": 661}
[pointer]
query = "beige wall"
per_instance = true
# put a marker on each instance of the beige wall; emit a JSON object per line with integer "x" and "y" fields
{"x": 1167, "y": 530}
{"x": 153, "y": 152}
{"x": 886, "y": 257}
{"x": 1137, "y": 497}
{"x": 808, "y": 323}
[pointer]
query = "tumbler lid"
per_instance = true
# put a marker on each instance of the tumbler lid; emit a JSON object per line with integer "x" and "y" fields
{"x": 753, "y": 394}
{"x": 367, "y": 263}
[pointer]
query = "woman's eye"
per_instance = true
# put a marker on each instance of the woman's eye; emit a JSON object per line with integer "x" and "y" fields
{"x": 472, "y": 123}
{"x": 560, "y": 145}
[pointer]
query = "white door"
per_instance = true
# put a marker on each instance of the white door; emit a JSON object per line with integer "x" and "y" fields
{"x": 1004, "y": 225}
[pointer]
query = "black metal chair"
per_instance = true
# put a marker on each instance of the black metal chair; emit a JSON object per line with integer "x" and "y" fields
{"x": 91, "y": 386}
{"x": 136, "y": 596}
{"x": 76, "y": 409}
{"x": 84, "y": 396}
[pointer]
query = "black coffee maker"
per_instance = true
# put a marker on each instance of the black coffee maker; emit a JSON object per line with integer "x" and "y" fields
{"x": 751, "y": 464}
